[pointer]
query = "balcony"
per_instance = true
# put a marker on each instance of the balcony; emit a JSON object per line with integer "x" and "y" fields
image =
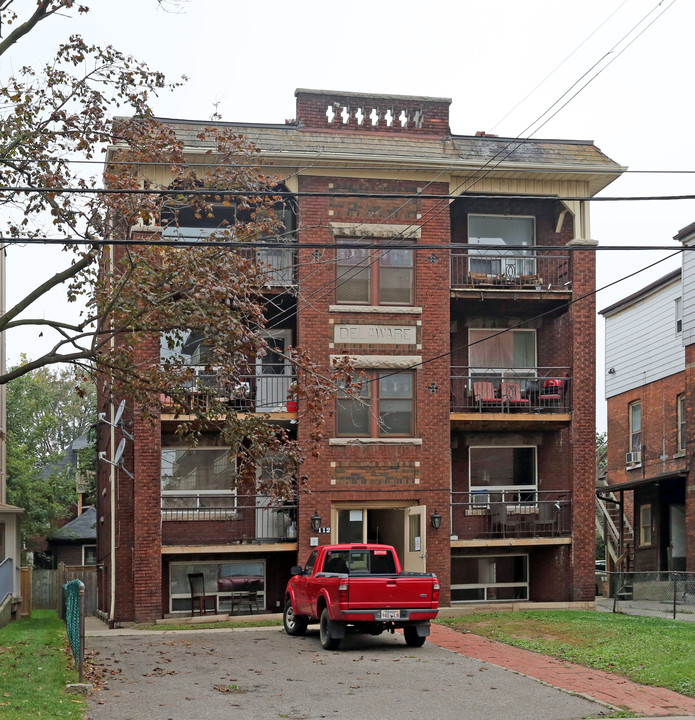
{"x": 504, "y": 514}
{"x": 252, "y": 519}
{"x": 263, "y": 391}
{"x": 510, "y": 391}
{"x": 482, "y": 269}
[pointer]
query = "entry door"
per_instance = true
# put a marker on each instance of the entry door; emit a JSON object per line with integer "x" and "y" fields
{"x": 273, "y": 374}
{"x": 415, "y": 552}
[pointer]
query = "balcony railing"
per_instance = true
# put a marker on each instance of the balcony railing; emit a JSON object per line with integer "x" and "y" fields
{"x": 264, "y": 391}
{"x": 510, "y": 390}
{"x": 510, "y": 513}
{"x": 6, "y": 573}
{"x": 247, "y": 518}
{"x": 512, "y": 270}
{"x": 279, "y": 264}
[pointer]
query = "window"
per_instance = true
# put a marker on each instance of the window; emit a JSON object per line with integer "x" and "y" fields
{"x": 89, "y": 554}
{"x": 374, "y": 276}
{"x": 679, "y": 315}
{"x": 635, "y": 410}
{"x": 384, "y": 407}
{"x": 186, "y": 223}
{"x": 487, "y": 578}
{"x": 187, "y": 346}
{"x": 645, "y": 525}
{"x": 680, "y": 411}
{"x": 221, "y": 579}
{"x": 501, "y": 230}
{"x": 499, "y": 349}
{"x": 197, "y": 481}
{"x": 503, "y": 471}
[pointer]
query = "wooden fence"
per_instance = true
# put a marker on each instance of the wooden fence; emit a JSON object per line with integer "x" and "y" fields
{"x": 46, "y": 586}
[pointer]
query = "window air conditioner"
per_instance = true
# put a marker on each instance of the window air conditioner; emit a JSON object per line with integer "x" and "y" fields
{"x": 632, "y": 458}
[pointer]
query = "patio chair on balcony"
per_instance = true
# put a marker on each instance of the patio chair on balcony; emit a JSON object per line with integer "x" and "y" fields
{"x": 511, "y": 392}
{"x": 199, "y": 598}
{"x": 529, "y": 280}
{"x": 547, "y": 518}
{"x": 484, "y": 394}
{"x": 552, "y": 392}
{"x": 501, "y": 522}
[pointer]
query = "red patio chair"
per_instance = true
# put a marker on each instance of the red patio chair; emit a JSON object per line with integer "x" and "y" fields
{"x": 484, "y": 394}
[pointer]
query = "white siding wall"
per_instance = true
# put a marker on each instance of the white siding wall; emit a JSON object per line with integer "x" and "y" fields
{"x": 641, "y": 340}
{"x": 688, "y": 297}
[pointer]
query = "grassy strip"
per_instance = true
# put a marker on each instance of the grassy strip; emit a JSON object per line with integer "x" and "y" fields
{"x": 211, "y": 625}
{"x": 35, "y": 666}
{"x": 652, "y": 651}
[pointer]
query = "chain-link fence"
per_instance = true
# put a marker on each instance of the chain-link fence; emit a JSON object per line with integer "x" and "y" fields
{"x": 73, "y": 612}
{"x": 656, "y": 594}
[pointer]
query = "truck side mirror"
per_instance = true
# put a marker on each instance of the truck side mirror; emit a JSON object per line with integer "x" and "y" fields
{"x": 297, "y": 570}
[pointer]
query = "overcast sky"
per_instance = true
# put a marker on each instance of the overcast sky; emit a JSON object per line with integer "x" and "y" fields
{"x": 246, "y": 60}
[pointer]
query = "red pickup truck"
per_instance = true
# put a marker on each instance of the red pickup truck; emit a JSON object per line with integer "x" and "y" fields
{"x": 360, "y": 588}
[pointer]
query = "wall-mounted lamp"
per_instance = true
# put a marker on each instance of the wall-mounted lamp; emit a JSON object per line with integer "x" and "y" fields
{"x": 436, "y": 519}
{"x": 315, "y": 521}
{"x": 611, "y": 371}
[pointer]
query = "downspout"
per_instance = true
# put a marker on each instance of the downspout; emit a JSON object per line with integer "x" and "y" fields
{"x": 112, "y": 481}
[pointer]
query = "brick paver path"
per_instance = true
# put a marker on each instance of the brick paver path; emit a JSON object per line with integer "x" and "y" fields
{"x": 596, "y": 684}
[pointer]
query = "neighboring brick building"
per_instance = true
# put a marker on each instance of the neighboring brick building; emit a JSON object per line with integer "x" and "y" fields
{"x": 484, "y": 373}
{"x": 650, "y": 349}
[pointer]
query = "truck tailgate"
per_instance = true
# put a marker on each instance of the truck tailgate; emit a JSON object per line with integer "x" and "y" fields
{"x": 389, "y": 591}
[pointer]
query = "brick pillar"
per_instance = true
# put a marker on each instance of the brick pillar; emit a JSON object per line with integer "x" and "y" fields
{"x": 583, "y": 428}
{"x": 689, "y": 445}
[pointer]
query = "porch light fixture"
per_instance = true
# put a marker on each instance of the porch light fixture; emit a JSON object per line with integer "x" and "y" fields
{"x": 436, "y": 519}
{"x": 315, "y": 521}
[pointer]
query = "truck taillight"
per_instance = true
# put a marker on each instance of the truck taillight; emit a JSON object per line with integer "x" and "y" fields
{"x": 435, "y": 592}
{"x": 343, "y": 592}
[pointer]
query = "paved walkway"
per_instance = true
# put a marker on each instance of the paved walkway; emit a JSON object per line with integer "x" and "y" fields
{"x": 596, "y": 684}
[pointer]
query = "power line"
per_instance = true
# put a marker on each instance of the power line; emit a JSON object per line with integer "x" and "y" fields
{"x": 496, "y": 250}
{"x": 225, "y": 193}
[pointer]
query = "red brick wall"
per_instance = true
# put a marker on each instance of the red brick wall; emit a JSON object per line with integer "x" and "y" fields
{"x": 312, "y": 109}
{"x": 690, "y": 444}
{"x": 432, "y": 379}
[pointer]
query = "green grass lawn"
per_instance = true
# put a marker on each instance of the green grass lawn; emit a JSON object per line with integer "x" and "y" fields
{"x": 653, "y": 651}
{"x": 35, "y": 667}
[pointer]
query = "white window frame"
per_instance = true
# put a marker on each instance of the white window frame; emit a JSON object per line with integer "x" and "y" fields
{"x": 211, "y": 593}
{"x": 645, "y": 525}
{"x": 678, "y": 307}
{"x": 514, "y": 372}
{"x": 486, "y": 586}
{"x": 681, "y": 414}
{"x": 635, "y": 433}
{"x": 520, "y": 260}
{"x": 198, "y": 494}
{"x": 505, "y": 490}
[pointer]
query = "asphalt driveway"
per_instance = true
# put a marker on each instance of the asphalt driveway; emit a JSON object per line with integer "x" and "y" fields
{"x": 263, "y": 673}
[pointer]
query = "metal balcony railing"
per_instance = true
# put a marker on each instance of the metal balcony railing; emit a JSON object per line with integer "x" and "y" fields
{"x": 278, "y": 264}
{"x": 510, "y": 513}
{"x": 6, "y": 572}
{"x": 247, "y": 518}
{"x": 535, "y": 390}
{"x": 263, "y": 391}
{"x": 533, "y": 270}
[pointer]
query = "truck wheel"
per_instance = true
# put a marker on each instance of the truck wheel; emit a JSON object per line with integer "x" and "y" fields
{"x": 294, "y": 624}
{"x": 412, "y": 639}
{"x": 328, "y": 642}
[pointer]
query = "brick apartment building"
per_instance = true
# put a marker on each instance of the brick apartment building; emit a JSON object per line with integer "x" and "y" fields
{"x": 482, "y": 469}
{"x": 650, "y": 349}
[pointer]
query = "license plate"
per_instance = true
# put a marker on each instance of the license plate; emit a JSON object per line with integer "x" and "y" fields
{"x": 390, "y": 615}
